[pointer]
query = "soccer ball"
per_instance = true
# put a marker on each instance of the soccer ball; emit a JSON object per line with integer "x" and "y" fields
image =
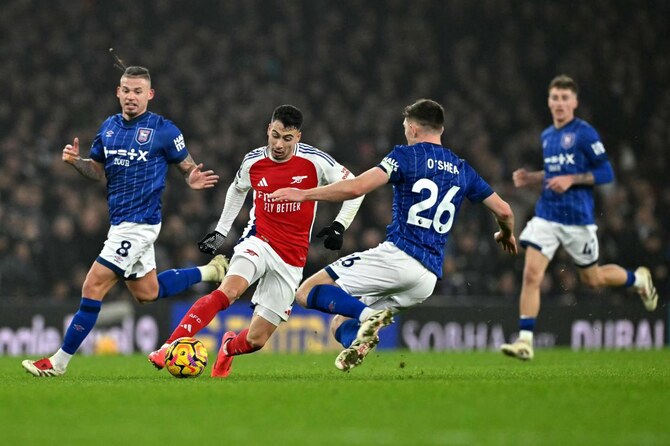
{"x": 186, "y": 358}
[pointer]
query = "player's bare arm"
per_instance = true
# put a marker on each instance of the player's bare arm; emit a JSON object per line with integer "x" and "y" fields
{"x": 562, "y": 183}
{"x": 505, "y": 218}
{"x": 88, "y": 168}
{"x": 340, "y": 191}
{"x": 524, "y": 178}
{"x": 195, "y": 177}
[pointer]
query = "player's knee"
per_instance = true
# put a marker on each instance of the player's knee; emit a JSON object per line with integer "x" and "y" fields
{"x": 93, "y": 288}
{"x": 232, "y": 290}
{"x": 532, "y": 276}
{"x": 144, "y": 297}
{"x": 302, "y": 293}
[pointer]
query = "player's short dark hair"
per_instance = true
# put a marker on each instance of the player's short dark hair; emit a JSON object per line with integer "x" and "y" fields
{"x": 565, "y": 82}
{"x": 137, "y": 71}
{"x": 288, "y": 115}
{"x": 426, "y": 112}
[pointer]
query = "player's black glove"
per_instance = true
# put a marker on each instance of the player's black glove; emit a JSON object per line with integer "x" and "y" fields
{"x": 334, "y": 236}
{"x": 211, "y": 242}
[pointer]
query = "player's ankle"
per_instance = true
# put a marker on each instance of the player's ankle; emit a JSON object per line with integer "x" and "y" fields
{"x": 639, "y": 280}
{"x": 60, "y": 360}
{"x": 526, "y": 336}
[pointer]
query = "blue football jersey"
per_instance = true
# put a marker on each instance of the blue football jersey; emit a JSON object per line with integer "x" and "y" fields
{"x": 136, "y": 155}
{"x": 574, "y": 148}
{"x": 429, "y": 185}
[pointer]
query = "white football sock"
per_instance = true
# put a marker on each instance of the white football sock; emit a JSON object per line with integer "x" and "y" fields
{"x": 639, "y": 280}
{"x": 60, "y": 359}
{"x": 365, "y": 314}
{"x": 526, "y": 335}
{"x": 208, "y": 273}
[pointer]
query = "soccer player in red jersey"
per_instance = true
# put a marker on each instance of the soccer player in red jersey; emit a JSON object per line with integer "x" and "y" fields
{"x": 273, "y": 248}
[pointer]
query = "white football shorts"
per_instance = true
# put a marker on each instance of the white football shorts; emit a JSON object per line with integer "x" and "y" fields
{"x": 129, "y": 249}
{"x": 384, "y": 277}
{"x": 277, "y": 280}
{"x": 580, "y": 242}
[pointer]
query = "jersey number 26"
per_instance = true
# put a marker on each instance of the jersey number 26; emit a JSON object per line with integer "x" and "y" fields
{"x": 413, "y": 217}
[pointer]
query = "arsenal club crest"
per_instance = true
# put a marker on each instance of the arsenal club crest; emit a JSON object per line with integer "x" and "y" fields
{"x": 568, "y": 140}
{"x": 143, "y": 135}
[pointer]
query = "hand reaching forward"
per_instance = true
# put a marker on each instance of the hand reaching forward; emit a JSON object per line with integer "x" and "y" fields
{"x": 508, "y": 244}
{"x": 288, "y": 194}
{"x": 197, "y": 179}
{"x": 71, "y": 152}
{"x": 520, "y": 178}
{"x": 211, "y": 243}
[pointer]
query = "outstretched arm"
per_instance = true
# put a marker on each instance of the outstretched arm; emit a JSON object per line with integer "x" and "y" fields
{"x": 505, "y": 218}
{"x": 340, "y": 191}
{"x": 195, "y": 177}
{"x": 87, "y": 167}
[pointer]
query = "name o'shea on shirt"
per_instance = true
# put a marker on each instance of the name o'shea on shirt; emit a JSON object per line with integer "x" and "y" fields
{"x": 272, "y": 206}
{"x": 442, "y": 165}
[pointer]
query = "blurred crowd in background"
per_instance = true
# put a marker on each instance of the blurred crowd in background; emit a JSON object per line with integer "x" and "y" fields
{"x": 220, "y": 68}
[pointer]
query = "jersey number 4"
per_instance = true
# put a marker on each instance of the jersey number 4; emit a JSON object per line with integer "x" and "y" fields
{"x": 414, "y": 217}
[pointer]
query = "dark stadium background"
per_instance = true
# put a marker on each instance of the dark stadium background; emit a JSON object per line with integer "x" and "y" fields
{"x": 219, "y": 68}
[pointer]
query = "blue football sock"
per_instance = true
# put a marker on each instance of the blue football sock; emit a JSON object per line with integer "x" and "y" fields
{"x": 630, "y": 278}
{"x": 174, "y": 281}
{"x": 346, "y": 333}
{"x": 334, "y": 300}
{"x": 527, "y": 323}
{"x": 81, "y": 324}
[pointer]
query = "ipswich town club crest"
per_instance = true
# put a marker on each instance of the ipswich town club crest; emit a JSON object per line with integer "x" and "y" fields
{"x": 143, "y": 135}
{"x": 568, "y": 140}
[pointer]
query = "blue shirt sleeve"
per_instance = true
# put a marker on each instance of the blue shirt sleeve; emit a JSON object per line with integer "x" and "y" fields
{"x": 478, "y": 189}
{"x": 173, "y": 143}
{"x": 391, "y": 165}
{"x": 589, "y": 143}
{"x": 594, "y": 150}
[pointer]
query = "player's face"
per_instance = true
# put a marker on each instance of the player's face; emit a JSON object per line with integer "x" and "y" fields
{"x": 282, "y": 141}
{"x": 562, "y": 104}
{"x": 134, "y": 94}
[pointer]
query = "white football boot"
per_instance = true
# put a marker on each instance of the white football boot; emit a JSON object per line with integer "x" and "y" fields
{"x": 520, "y": 349}
{"x": 647, "y": 290}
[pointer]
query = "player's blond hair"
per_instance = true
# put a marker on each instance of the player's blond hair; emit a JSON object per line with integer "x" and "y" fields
{"x": 137, "y": 71}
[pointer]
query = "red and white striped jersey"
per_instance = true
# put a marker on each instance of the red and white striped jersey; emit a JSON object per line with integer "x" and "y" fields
{"x": 286, "y": 227}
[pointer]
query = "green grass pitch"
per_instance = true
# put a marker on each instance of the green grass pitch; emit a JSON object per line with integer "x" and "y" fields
{"x": 394, "y": 398}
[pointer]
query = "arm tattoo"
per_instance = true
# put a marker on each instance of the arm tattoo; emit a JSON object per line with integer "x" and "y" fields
{"x": 584, "y": 178}
{"x": 186, "y": 166}
{"x": 88, "y": 168}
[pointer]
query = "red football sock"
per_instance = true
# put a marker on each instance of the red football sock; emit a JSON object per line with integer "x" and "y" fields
{"x": 200, "y": 314}
{"x": 239, "y": 344}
